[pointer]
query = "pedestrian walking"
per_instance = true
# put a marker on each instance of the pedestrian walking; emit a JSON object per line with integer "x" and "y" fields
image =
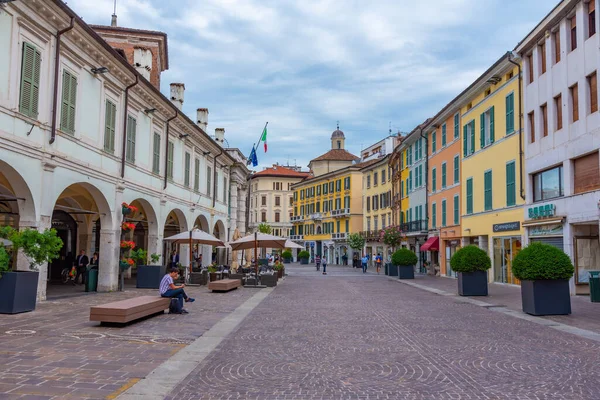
{"x": 318, "y": 261}
{"x": 364, "y": 261}
{"x": 324, "y": 266}
{"x": 378, "y": 260}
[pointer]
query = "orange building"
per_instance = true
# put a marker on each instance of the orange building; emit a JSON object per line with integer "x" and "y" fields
{"x": 444, "y": 147}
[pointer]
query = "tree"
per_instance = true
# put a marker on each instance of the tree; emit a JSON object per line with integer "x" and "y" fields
{"x": 38, "y": 247}
{"x": 263, "y": 227}
{"x": 392, "y": 236}
{"x": 356, "y": 241}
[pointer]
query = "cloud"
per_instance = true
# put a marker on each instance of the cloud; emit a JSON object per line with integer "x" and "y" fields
{"x": 303, "y": 66}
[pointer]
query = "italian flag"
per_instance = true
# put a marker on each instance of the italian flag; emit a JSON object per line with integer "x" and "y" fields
{"x": 264, "y": 138}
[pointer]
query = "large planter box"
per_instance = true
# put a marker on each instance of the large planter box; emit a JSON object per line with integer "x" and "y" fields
{"x": 304, "y": 261}
{"x": 269, "y": 280}
{"x": 18, "y": 291}
{"x": 199, "y": 278}
{"x": 406, "y": 272}
{"x": 149, "y": 276}
{"x": 546, "y": 297}
{"x": 386, "y": 268}
{"x": 393, "y": 270}
{"x": 237, "y": 276}
{"x": 473, "y": 283}
{"x": 287, "y": 260}
{"x": 213, "y": 276}
{"x": 280, "y": 273}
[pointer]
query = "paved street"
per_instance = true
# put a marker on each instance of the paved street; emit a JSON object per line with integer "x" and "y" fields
{"x": 365, "y": 337}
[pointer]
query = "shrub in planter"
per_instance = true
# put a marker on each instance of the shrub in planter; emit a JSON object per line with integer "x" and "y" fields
{"x": 403, "y": 264}
{"x": 212, "y": 273}
{"x": 303, "y": 256}
{"x": 471, "y": 263}
{"x": 287, "y": 256}
{"x": 544, "y": 271}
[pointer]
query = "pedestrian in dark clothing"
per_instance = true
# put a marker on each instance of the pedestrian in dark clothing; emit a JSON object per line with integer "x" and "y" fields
{"x": 81, "y": 264}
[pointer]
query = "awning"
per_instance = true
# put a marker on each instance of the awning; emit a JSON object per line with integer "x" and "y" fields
{"x": 545, "y": 221}
{"x": 432, "y": 244}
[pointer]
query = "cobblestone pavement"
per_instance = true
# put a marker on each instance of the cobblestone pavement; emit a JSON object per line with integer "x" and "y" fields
{"x": 353, "y": 336}
{"x": 55, "y": 352}
{"x": 585, "y": 314}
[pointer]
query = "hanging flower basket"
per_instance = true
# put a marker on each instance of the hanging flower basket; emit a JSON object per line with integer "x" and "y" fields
{"x": 127, "y": 226}
{"x": 127, "y": 209}
{"x": 125, "y": 244}
{"x": 125, "y": 264}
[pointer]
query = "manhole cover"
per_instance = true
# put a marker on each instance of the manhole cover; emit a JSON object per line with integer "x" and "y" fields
{"x": 20, "y": 332}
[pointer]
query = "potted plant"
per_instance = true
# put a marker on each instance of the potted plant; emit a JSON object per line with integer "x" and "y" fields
{"x": 148, "y": 276}
{"x": 212, "y": 272}
{"x": 287, "y": 256}
{"x": 127, "y": 244}
{"x": 471, "y": 263}
{"x": 18, "y": 289}
{"x": 544, "y": 271}
{"x": 391, "y": 236}
{"x": 127, "y": 226}
{"x": 279, "y": 268}
{"x": 303, "y": 256}
{"x": 403, "y": 264}
{"x": 127, "y": 209}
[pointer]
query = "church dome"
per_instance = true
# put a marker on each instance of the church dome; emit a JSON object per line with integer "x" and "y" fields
{"x": 337, "y": 134}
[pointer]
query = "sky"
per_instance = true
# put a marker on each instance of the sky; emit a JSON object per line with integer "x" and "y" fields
{"x": 304, "y": 65}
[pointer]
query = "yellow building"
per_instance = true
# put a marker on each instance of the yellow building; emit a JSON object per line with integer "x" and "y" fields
{"x": 492, "y": 193}
{"x": 377, "y": 205}
{"x": 328, "y": 205}
{"x": 400, "y": 174}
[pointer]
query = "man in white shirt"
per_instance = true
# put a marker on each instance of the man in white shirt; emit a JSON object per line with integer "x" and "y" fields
{"x": 168, "y": 289}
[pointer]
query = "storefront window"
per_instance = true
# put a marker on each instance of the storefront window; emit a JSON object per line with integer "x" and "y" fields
{"x": 505, "y": 250}
{"x": 548, "y": 184}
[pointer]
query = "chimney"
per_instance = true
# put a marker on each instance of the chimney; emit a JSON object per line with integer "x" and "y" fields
{"x": 177, "y": 90}
{"x": 220, "y": 136}
{"x": 113, "y": 20}
{"x": 202, "y": 118}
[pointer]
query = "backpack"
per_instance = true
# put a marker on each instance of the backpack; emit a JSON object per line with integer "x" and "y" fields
{"x": 175, "y": 306}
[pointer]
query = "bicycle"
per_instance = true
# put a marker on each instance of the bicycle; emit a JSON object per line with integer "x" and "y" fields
{"x": 67, "y": 274}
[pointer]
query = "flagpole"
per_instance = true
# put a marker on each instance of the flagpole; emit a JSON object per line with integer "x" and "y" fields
{"x": 260, "y": 137}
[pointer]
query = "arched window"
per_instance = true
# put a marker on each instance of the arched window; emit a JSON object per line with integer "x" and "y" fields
{"x": 339, "y": 144}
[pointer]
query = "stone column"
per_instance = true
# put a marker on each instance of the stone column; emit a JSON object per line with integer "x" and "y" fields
{"x": 484, "y": 244}
{"x": 24, "y": 263}
{"x": 233, "y": 213}
{"x": 465, "y": 241}
{"x": 108, "y": 260}
{"x": 241, "y": 209}
{"x": 154, "y": 246}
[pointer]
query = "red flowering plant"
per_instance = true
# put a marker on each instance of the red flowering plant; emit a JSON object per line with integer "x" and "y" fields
{"x": 392, "y": 235}
{"x": 127, "y": 244}
{"x": 127, "y": 226}
{"x": 127, "y": 209}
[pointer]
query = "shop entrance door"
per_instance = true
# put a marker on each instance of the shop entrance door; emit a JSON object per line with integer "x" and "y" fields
{"x": 505, "y": 249}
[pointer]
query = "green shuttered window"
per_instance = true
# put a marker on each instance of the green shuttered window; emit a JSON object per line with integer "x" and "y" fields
{"x": 68, "y": 102}
{"x": 456, "y": 209}
{"x": 487, "y": 190}
{"x": 188, "y": 162}
{"x": 456, "y": 169}
{"x": 197, "y": 175}
{"x": 433, "y": 215}
{"x": 443, "y": 213}
{"x": 443, "y": 135}
{"x": 456, "y": 126}
{"x": 110, "y": 119}
{"x": 434, "y": 180}
{"x": 444, "y": 176}
{"x": 30, "y": 81}
{"x": 470, "y": 196}
{"x": 433, "y": 142}
{"x": 156, "y": 154}
{"x": 170, "y": 153}
{"x": 510, "y": 113}
{"x": 511, "y": 193}
{"x": 131, "y": 131}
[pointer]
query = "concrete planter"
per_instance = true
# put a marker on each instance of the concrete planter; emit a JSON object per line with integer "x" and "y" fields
{"x": 304, "y": 261}
{"x": 393, "y": 270}
{"x": 213, "y": 276}
{"x": 406, "y": 272}
{"x": 18, "y": 291}
{"x": 473, "y": 283}
{"x": 149, "y": 276}
{"x": 546, "y": 297}
{"x": 269, "y": 280}
{"x": 386, "y": 268}
{"x": 287, "y": 260}
{"x": 199, "y": 278}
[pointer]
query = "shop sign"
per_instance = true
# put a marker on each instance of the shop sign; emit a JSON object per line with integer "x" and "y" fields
{"x": 546, "y": 230}
{"x": 453, "y": 243}
{"x": 507, "y": 227}
{"x": 546, "y": 210}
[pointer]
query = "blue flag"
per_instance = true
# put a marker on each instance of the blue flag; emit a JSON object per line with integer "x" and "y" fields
{"x": 253, "y": 158}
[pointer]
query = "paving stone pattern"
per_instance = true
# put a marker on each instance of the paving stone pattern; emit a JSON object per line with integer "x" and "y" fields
{"x": 353, "y": 336}
{"x": 55, "y": 352}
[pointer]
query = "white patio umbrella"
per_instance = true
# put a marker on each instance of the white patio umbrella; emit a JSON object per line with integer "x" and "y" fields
{"x": 256, "y": 240}
{"x": 195, "y": 236}
{"x": 5, "y": 242}
{"x": 291, "y": 245}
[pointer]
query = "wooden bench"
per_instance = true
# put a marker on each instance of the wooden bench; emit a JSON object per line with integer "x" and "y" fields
{"x": 129, "y": 310}
{"x": 224, "y": 285}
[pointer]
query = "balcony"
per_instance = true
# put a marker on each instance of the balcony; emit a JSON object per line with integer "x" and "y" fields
{"x": 297, "y": 237}
{"x": 371, "y": 236}
{"x": 343, "y": 212}
{"x": 414, "y": 226}
{"x": 339, "y": 236}
{"x": 316, "y": 216}
{"x": 297, "y": 218}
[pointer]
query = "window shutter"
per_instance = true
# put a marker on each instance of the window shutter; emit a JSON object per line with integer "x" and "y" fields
{"x": 433, "y": 215}
{"x": 492, "y": 125}
{"x": 510, "y": 184}
{"x": 456, "y": 205}
{"x": 488, "y": 190}
{"x": 64, "y": 105}
{"x": 465, "y": 141}
{"x": 443, "y": 212}
{"x": 72, "y": 104}
{"x": 109, "y": 130}
{"x": 510, "y": 119}
{"x": 443, "y": 176}
{"x": 433, "y": 144}
{"x": 456, "y": 169}
{"x": 433, "y": 180}
{"x": 472, "y": 136}
{"x": 30, "y": 81}
{"x": 482, "y": 130}
{"x": 470, "y": 196}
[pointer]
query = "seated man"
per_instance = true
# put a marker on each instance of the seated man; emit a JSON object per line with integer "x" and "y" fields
{"x": 169, "y": 289}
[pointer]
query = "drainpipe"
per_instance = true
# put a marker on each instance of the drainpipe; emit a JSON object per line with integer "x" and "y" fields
{"x": 521, "y": 153}
{"x": 56, "y": 68}
{"x": 215, "y": 176}
{"x": 125, "y": 125}
{"x": 426, "y": 178}
{"x": 167, "y": 147}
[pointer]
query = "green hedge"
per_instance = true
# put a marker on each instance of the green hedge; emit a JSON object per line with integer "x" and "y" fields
{"x": 304, "y": 254}
{"x": 404, "y": 257}
{"x": 540, "y": 261}
{"x": 470, "y": 259}
{"x": 286, "y": 254}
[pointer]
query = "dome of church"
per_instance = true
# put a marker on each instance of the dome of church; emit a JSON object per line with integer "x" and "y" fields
{"x": 337, "y": 134}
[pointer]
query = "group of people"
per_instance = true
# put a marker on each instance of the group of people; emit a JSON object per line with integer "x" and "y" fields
{"x": 365, "y": 262}
{"x": 318, "y": 262}
{"x": 80, "y": 264}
